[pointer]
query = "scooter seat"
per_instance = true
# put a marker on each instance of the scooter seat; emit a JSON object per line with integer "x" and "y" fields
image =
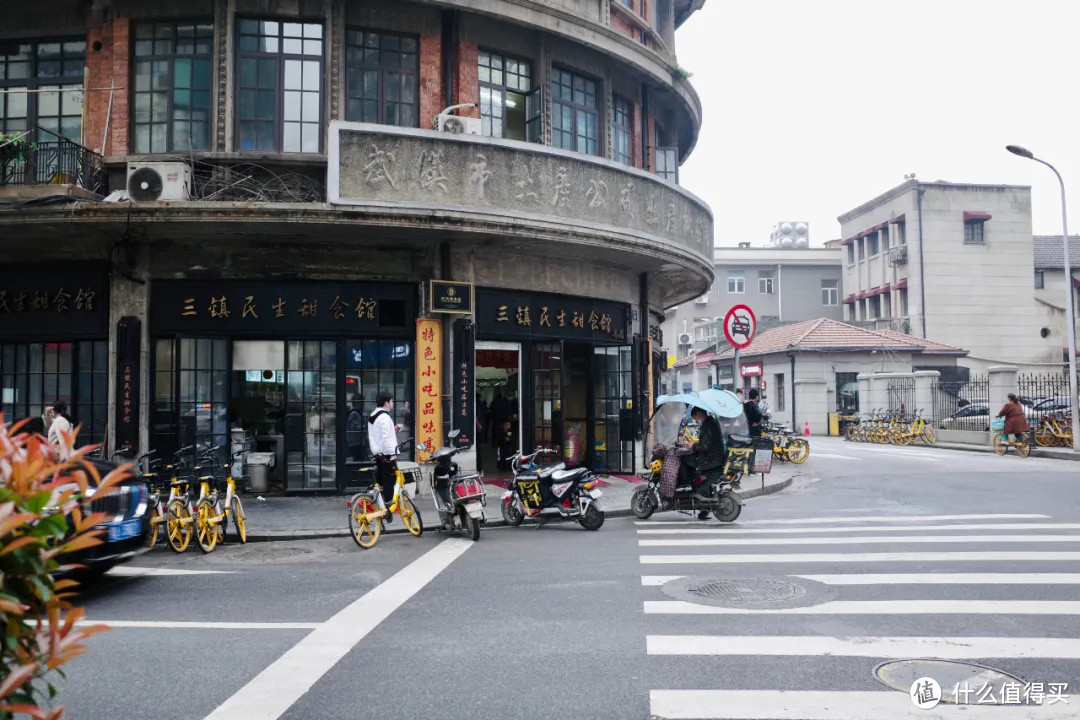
{"x": 565, "y": 475}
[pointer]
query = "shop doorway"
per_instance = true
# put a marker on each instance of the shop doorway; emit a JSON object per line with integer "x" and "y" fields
{"x": 498, "y": 404}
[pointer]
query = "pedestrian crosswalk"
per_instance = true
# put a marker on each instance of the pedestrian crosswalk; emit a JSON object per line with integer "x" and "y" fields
{"x": 995, "y": 590}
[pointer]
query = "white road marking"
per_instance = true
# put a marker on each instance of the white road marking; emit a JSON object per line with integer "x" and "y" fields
{"x": 917, "y": 579}
{"x": 857, "y": 518}
{"x": 136, "y": 571}
{"x": 858, "y": 540}
{"x": 829, "y": 705}
{"x": 180, "y": 625}
{"x": 880, "y": 607}
{"x": 997, "y": 557}
{"x": 734, "y": 530}
{"x": 273, "y": 691}
{"x": 947, "y": 648}
{"x": 834, "y": 457}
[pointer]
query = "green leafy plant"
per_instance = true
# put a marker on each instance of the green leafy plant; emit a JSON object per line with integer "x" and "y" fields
{"x": 15, "y": 147}
{"x": 44, "y": 492}
{"x": 683, "y": 72}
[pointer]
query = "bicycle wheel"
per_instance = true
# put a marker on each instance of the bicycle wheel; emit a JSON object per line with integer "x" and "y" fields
{"x": 798, "y": 451}
{"x": 206, "y": 532}
{"x": 928, "y": 436}
{"x": 157, "y": 517}
{"x": 365, "y": 532}
{"x": 1044, "y": 437}
{"x": 238, "y": 519}
{"x": 1023, "y": 448}
{"x": 410, "y": 515}
{"x": 1000, "y": 444}
{"x": 178, "y": 525}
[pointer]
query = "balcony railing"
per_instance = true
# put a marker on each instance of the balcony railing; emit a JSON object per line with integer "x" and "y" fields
{"x": 898, "y": 255}
{"x": 56, "y": 161}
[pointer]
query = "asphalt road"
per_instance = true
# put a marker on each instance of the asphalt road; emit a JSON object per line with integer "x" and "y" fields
{"x": 883, "y": 553}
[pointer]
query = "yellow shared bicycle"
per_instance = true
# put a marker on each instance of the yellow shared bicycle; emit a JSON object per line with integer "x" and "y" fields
{"x": 212, "y": 512}
{"x": 367, "y": 510}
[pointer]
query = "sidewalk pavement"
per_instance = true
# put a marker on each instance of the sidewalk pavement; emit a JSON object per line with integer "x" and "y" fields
{"x": 1053, "y": 453}
{"x": 293, "y": 517}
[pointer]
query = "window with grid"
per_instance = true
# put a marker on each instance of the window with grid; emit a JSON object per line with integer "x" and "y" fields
{"x": 862, "y": 248}
{"x": 547, "y": 396}
{"x": 191, "y": 393}
{"x": 830, "y": 292}
{"x": 33, "y": 375}
{"x": 974, "y": 233}
{"x": 172, "y": 86}
{"x": 574, "y": 124}
{"x": 736, "y": 282}
{"x": 667, "y": 163}
{"x": 872, "y": 245}
{"x": 279, "y": 86}
{"x": 766, "y": 282}
{"x": 372, "y": 366}
{"x": 56, "y": 65}
{"x": 505, "y": 87}
{"x": 1040, "y": 280}
{"x": 382, "y": 78}
{"x": 778, "y": 393}
{"x": 622, "y": 123}
{"x": 851, "y": 254}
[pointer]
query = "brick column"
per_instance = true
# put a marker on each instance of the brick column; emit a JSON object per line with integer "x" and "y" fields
{"x": 108, "y": 66}
{"x": 431, "y": 89}
{"x": 467, "y": 77}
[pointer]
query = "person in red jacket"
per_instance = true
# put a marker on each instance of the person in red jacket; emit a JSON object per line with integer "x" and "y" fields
{"x": 1015, "y": 422}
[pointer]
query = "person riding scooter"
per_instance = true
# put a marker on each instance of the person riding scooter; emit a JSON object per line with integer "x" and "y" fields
{"x": 707, "y": 454}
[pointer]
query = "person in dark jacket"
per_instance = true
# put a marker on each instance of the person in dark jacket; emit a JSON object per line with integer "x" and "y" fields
{"x": 708, "y": 453}
{"x": 1015, "y": 422}
{"x": 754, "y": 418}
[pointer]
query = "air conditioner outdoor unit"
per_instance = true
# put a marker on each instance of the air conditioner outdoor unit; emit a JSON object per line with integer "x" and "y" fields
{"x": 457, "y": 125}
{"x": 156, "y": 181}
{"x": 685, "y": 339}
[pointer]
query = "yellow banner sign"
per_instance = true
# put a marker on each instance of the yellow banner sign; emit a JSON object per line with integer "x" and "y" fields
{"x": 428, "y": 386}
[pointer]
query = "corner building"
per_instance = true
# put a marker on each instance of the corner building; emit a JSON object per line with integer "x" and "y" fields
{"x": 306, "y": 223}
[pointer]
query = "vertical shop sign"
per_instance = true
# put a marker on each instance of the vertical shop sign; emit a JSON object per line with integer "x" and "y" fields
{"x": 128, "y": 341}
{"x": 464, "y": 403}
{"x": 650, "y": 393}
{"x": 428, "y": 386}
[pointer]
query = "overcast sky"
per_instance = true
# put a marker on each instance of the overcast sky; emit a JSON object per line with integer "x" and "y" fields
{"x": 812, "y": 107}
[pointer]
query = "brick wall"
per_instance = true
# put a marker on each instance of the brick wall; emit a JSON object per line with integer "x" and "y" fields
{"x": 431, "y": 87}
{"x": 635, "y": 141}
{"x": 624, "y": 27}
{"x": 109, "y": 67}
{"x": 466, "y": 77}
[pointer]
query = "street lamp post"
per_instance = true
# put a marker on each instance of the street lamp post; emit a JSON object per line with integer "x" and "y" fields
{"x": 1070, "y": 321}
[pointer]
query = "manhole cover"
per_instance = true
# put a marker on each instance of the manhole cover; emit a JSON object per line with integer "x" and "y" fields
{"x": 958, "y": 683}
{"x": 747, "y": 589}
{"x": 749, "y": 592}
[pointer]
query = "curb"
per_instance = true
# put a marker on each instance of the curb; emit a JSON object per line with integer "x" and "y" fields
{"x": 285, "y": 536}
{"x": 1036, "y": 452}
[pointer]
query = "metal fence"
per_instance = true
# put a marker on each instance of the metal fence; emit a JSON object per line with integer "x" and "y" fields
{"x": 902, "y": 396}
{"x": 961, "y": 404}
{"x": 57, "y": 161}
{"x": 1040, "y": 391}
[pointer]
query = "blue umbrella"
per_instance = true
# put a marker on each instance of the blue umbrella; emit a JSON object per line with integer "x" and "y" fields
{"x": 728, "y": 402}
{"x": 699, "y": 400}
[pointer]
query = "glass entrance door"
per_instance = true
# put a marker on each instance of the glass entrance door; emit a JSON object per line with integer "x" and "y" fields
{"x": 311, "y": 411}
{"x": 498, "y": 403}
{"x": 612, "y": 389}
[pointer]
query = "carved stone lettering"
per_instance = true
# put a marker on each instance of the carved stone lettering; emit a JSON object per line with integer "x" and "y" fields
{"x": 561, "y": 198}
{"x": 597, "y": 194}
{"x": 479, "y": 175}
{"x": 431, "y": 171}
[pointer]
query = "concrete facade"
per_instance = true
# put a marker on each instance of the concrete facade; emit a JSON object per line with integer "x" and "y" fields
{"x": 949, "y": 261}
{"x": 395, "y": 208}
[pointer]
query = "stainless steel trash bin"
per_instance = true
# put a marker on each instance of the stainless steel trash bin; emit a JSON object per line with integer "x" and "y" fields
{"x": 258, "y": 466}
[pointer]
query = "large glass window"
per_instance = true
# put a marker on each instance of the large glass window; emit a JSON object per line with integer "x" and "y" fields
{"x": 172, "y": 86}
{"x": 622, "y": 124}
{"x": 190, "y": 396}
{"x": 311, "y": 410}
{"x": 505, "y": 84}
{"x": 382, "y": 78}
{"x": 33, "y": 375}
{"x": 57, "y": 66}
{"x": 547, "y": 396}
{"x": 574, "y": 124}
{"x": 372, "y": 366}
{"x": 279, "y": 86}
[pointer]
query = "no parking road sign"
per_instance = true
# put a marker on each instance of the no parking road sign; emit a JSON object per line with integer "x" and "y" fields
{"x": 739, "y": 326}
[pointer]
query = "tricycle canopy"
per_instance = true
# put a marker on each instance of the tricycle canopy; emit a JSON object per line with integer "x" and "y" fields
{"x": 671, "y": 419}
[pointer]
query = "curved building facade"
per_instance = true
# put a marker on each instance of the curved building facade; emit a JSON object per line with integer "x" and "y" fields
{"x": 236, "y": 221}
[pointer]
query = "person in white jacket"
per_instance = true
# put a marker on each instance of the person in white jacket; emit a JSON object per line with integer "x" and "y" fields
{"x": 61, "y": 424}
{"x": 382, "y": 440}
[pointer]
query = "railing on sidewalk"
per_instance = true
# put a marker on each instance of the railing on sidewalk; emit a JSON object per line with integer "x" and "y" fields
{"x": 962, "y": 404}
{"x": 902, "y": 396}
{"x": 58, "y": 161}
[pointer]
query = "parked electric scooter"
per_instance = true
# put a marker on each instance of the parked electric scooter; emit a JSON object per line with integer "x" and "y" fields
{"x": 459, "y": 497}
{"x": 572, "y": 493}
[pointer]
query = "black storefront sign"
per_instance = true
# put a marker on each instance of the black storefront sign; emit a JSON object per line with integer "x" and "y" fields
{"x": 463, "y": 406}
{"x": 451, "y": 297}
{"x": 128, "y": 337}
{"x": 540, "y": 316}
{"x": 240, "y": 308}
{"x": 54, "y": 301}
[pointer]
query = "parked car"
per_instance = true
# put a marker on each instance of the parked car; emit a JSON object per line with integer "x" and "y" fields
{"x": 977, "y": 414}
{"x": 126, "y": 528}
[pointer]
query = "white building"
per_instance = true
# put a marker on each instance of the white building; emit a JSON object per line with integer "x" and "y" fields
{"x": 952, "y": 262}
